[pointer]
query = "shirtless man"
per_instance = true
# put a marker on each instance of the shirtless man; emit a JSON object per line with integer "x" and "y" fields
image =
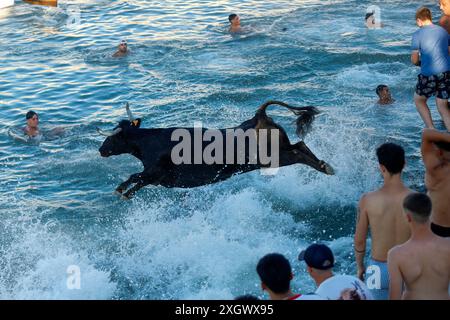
{"x": 444, "y": 22}
{"x": 381, "y": 210}
{"x": 384, "y": 95}
{"x": 370, "y": 21}
{"x": 422, "y": 264}
{"x": 31, "y": 129}
{"x": 122, "y": 49}
{"x": 436, "y": 158}
{"x": 235, "y": 22}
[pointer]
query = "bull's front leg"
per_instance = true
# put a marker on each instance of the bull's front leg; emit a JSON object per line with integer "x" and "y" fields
{"x": 143, "y": 180}
{"x": 127, "y": 195}
{"x": 134, "y": 178}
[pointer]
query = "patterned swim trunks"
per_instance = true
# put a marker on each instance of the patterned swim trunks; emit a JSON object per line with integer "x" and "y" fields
{"x": 437, "y": 84}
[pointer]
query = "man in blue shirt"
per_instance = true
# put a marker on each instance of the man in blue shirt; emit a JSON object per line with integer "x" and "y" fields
{"x": 430, "y": 45}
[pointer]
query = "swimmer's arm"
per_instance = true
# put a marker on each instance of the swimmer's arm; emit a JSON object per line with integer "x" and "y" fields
{"x": 395, "y": 276}
{"x": 57, "y": 130}
{"x": 362, "y": 227}
{"x": 428, "y": 149}
{"x": 415, "y": 59}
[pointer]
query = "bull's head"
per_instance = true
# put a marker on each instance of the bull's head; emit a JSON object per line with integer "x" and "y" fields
{"x": 117, "y": 141}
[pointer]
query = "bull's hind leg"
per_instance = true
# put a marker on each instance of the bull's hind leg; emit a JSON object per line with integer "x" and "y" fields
{"x": 306, "y": 156}
{"x": 134, "y": 178}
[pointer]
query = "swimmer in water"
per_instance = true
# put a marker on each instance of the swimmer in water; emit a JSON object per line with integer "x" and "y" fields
{"x": 384, "y": 95}
{"x": 32, "y": 127}
{"x": 370, "y": 21}
{"x": 31, "y": 130}
{"x": 122, "y": 49}
{"x": 235, "y": 22}
{"x": 51, "y": 3}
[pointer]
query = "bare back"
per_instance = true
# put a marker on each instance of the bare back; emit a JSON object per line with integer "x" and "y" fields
{"x": 425, "y": 268}
{"x": 437, "y": 181}
{"x": 388, "y": 224}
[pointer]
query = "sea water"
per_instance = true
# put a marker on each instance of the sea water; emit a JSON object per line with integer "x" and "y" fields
{"x": 58, "y": 212}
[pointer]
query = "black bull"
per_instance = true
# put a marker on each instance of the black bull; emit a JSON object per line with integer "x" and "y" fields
{"x": 154, "y": 148}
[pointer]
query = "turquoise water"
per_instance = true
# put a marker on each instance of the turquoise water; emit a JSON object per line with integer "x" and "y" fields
{"x": 56, "y": 200}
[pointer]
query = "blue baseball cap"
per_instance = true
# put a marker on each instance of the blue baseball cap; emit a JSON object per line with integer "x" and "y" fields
{"x": 317, "y": 256}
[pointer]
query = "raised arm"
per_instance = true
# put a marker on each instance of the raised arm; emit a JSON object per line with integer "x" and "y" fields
{"x": 395, "y": 276}
{"x": 428, "y": 148}
{"x": 362, "y": 227}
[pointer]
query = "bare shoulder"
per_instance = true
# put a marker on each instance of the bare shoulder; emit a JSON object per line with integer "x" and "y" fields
{"x": 369, "y": 197}
{"x": 392, "y": 255}
{"x": 398, "y": 252}
{"x": 445, "y": 244}
{"x": 404, "y": 193}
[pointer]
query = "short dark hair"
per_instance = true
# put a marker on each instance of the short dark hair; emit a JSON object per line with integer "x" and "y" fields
{"x": 380, "y": 88}
{"x": 275, "y": 272}
{"x": 419, "y": 204}
{"x": 369, "y": 14}
{"x": 392, "y": 156}
{"x": 443, "y": 145}
{"x": 423, "y": 14}
{"x": 30, "y": 114}
{"x": 232, "y": 16}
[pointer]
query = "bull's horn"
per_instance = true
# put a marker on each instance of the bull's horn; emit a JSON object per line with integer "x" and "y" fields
{"x": 130, "y": 115}
{"x": 109, "y": 133}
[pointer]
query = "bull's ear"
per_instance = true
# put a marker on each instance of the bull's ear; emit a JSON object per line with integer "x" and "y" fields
{"x": 136, "y": 123}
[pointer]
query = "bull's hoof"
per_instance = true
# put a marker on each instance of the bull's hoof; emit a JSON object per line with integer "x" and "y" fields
{"x": 327, "y": 168}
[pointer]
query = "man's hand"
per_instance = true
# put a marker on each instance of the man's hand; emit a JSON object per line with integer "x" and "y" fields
{"x": 361, "y": 273}
{"x": 415, "y": 58}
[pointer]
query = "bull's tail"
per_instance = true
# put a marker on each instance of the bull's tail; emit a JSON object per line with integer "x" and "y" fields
{"x": 305, "y": 115}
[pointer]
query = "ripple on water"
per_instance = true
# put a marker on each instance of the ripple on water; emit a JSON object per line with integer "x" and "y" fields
{"x": 56, "y": 197}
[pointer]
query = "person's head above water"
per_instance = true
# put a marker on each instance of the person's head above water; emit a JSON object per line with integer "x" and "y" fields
{"x": 234, "y": 18}
{"x": 384, "y": 94}
{"x": 32, "y": 119}
{"x": 423, "y": 16}
{"x": 31, "y": 129}
{"x": 235, "y": 22}
{"x": 369, "y": 14}
{"x": 391, "y": 158}
{"x": 123, "y": 46}
{"x": 122, "y": 49}
{"x": 370, "y": 20}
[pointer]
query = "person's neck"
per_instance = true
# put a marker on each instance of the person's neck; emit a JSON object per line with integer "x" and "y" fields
{"x": 393, "y": 181}
{"x": 281, "y": 296}
{"x": 385, "y": 101}
{"x": 320, "y": 278}
{"x": 421, "y": 231}
{"x": 427, "y": 23}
